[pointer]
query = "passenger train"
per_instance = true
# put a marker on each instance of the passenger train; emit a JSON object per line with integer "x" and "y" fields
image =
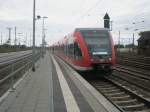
{"x": 87, "y": 49}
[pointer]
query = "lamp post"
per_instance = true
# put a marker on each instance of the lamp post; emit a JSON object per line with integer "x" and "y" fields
{"x": 136, "y": 29}
{"x": 1, "y": 38}
{"x": 19, "y": 40}
{"x": 33, "y": 46}
{"x": 43, "y": 36}
{"x": 15, "y": 41}
{"x": 9, "y": 38}
{"x": 43, "y": 33}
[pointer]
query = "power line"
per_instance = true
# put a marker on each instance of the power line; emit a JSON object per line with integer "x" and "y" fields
{"x": 93, "y": 7}
{"x": 90, "y": 9}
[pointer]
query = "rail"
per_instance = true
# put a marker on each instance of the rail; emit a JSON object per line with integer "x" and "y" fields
{"x": 121, "y": 96}
{"x": 10, "y": 61}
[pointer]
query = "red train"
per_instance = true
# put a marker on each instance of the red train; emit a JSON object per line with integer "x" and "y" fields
{"x": 87, "y": 49}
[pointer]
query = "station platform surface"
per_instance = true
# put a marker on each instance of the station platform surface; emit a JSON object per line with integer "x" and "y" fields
{"x": 54, "y": 87}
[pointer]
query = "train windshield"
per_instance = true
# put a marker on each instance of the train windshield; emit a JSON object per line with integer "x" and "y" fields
{"x": 97, "y": 41}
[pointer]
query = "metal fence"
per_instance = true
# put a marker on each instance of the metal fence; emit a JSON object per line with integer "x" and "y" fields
{"x": 10, "y": 74}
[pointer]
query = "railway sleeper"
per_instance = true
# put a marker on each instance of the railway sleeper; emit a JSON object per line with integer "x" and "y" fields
{"x": 136, "y": 107}
{"x": 139, "y": 83}
{"x": 99, "y": 84}
{"x": 115, "y": 94}
{"x": 120, "y": 98}
{"x": 106, "y": 88}
{"x": 112, "y": 91}
{"x": 145, "y": 110}
{"x": 127, "y": 102}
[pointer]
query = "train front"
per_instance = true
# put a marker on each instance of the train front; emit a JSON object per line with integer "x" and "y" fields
{"x": 100, "y": 48}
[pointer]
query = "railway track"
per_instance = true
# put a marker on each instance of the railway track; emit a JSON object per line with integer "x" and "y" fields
{"x": 125, "y": 95}
{"x": 13, "y": 70}
{"x": 127, "y": 89}
{"x": 141, "y": 80}
{"x": 121, "y": 96}
{"x": 132, "y": 70}
{"x": 138, "y": 74}
{"x": 138, "y": 58}
{"x": 133, "y": 60}
{"x": 4, "y": 55}
{"x": 7, "y": 60}
{"x": 6, "y": 70}
{"x": 128, "y": 62}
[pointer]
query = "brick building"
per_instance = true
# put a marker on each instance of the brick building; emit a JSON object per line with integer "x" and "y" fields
{"x": 144, "y": 43}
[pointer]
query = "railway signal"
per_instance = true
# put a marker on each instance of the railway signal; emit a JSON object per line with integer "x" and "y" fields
{"x": 106, "y": 21}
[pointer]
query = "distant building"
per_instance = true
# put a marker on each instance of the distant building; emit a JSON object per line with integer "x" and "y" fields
{"x": 144, "y": 43}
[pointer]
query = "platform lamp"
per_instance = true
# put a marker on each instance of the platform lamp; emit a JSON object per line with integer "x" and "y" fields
{"x": 33, "y": 46}
{"x": 43, "y": 35}
{"x": 43, "y": 32}
{"x": 9, "y": 36}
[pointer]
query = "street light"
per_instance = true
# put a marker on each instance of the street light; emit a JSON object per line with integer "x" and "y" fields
{"x": 33, "y": 47}
{"x": 9, "y": 38}
{"x": 1, "y": 38}
{"x": 19, "y": 40}
{"x": 43, "y": 32}
{"x": 43, "y": 35}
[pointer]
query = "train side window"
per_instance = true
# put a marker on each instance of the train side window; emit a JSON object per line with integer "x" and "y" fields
{"x": 71, "y": 50}
{"x": 77, "y": 51}
{"x": 66, "y": 50}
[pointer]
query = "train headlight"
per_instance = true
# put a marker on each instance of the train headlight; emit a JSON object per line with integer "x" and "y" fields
{"x": 92, "y": 59}
{"x": 102, "y": 60}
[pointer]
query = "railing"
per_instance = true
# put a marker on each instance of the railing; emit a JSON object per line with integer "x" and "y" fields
{"x": 14, "y": 72}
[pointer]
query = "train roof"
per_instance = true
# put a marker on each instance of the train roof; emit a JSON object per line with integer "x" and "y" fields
{"x": 81, "y": 29}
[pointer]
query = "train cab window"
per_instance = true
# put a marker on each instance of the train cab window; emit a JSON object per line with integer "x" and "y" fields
{"x": 71, "y": 50}
{"x": 77, "y": 51}
{"x": 97, "y": 41}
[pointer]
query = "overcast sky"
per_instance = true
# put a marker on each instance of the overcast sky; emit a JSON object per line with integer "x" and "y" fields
{"x": 65, "y": 15}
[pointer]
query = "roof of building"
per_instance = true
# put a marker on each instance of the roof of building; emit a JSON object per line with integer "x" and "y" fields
{"x": 144, "y": 36}
{"x": 106, "y": 16}
{"x": 79, "y": 29}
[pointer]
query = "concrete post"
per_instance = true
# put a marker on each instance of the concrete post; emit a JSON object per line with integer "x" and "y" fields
{"x": 33, "y": 46}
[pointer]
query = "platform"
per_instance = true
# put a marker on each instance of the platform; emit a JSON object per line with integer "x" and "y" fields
{"x": 54, "y": 87}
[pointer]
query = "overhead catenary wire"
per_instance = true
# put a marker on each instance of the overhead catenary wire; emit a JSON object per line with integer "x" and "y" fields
{"x": 93, "y": 7}
{"x": 89, "y": 10}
